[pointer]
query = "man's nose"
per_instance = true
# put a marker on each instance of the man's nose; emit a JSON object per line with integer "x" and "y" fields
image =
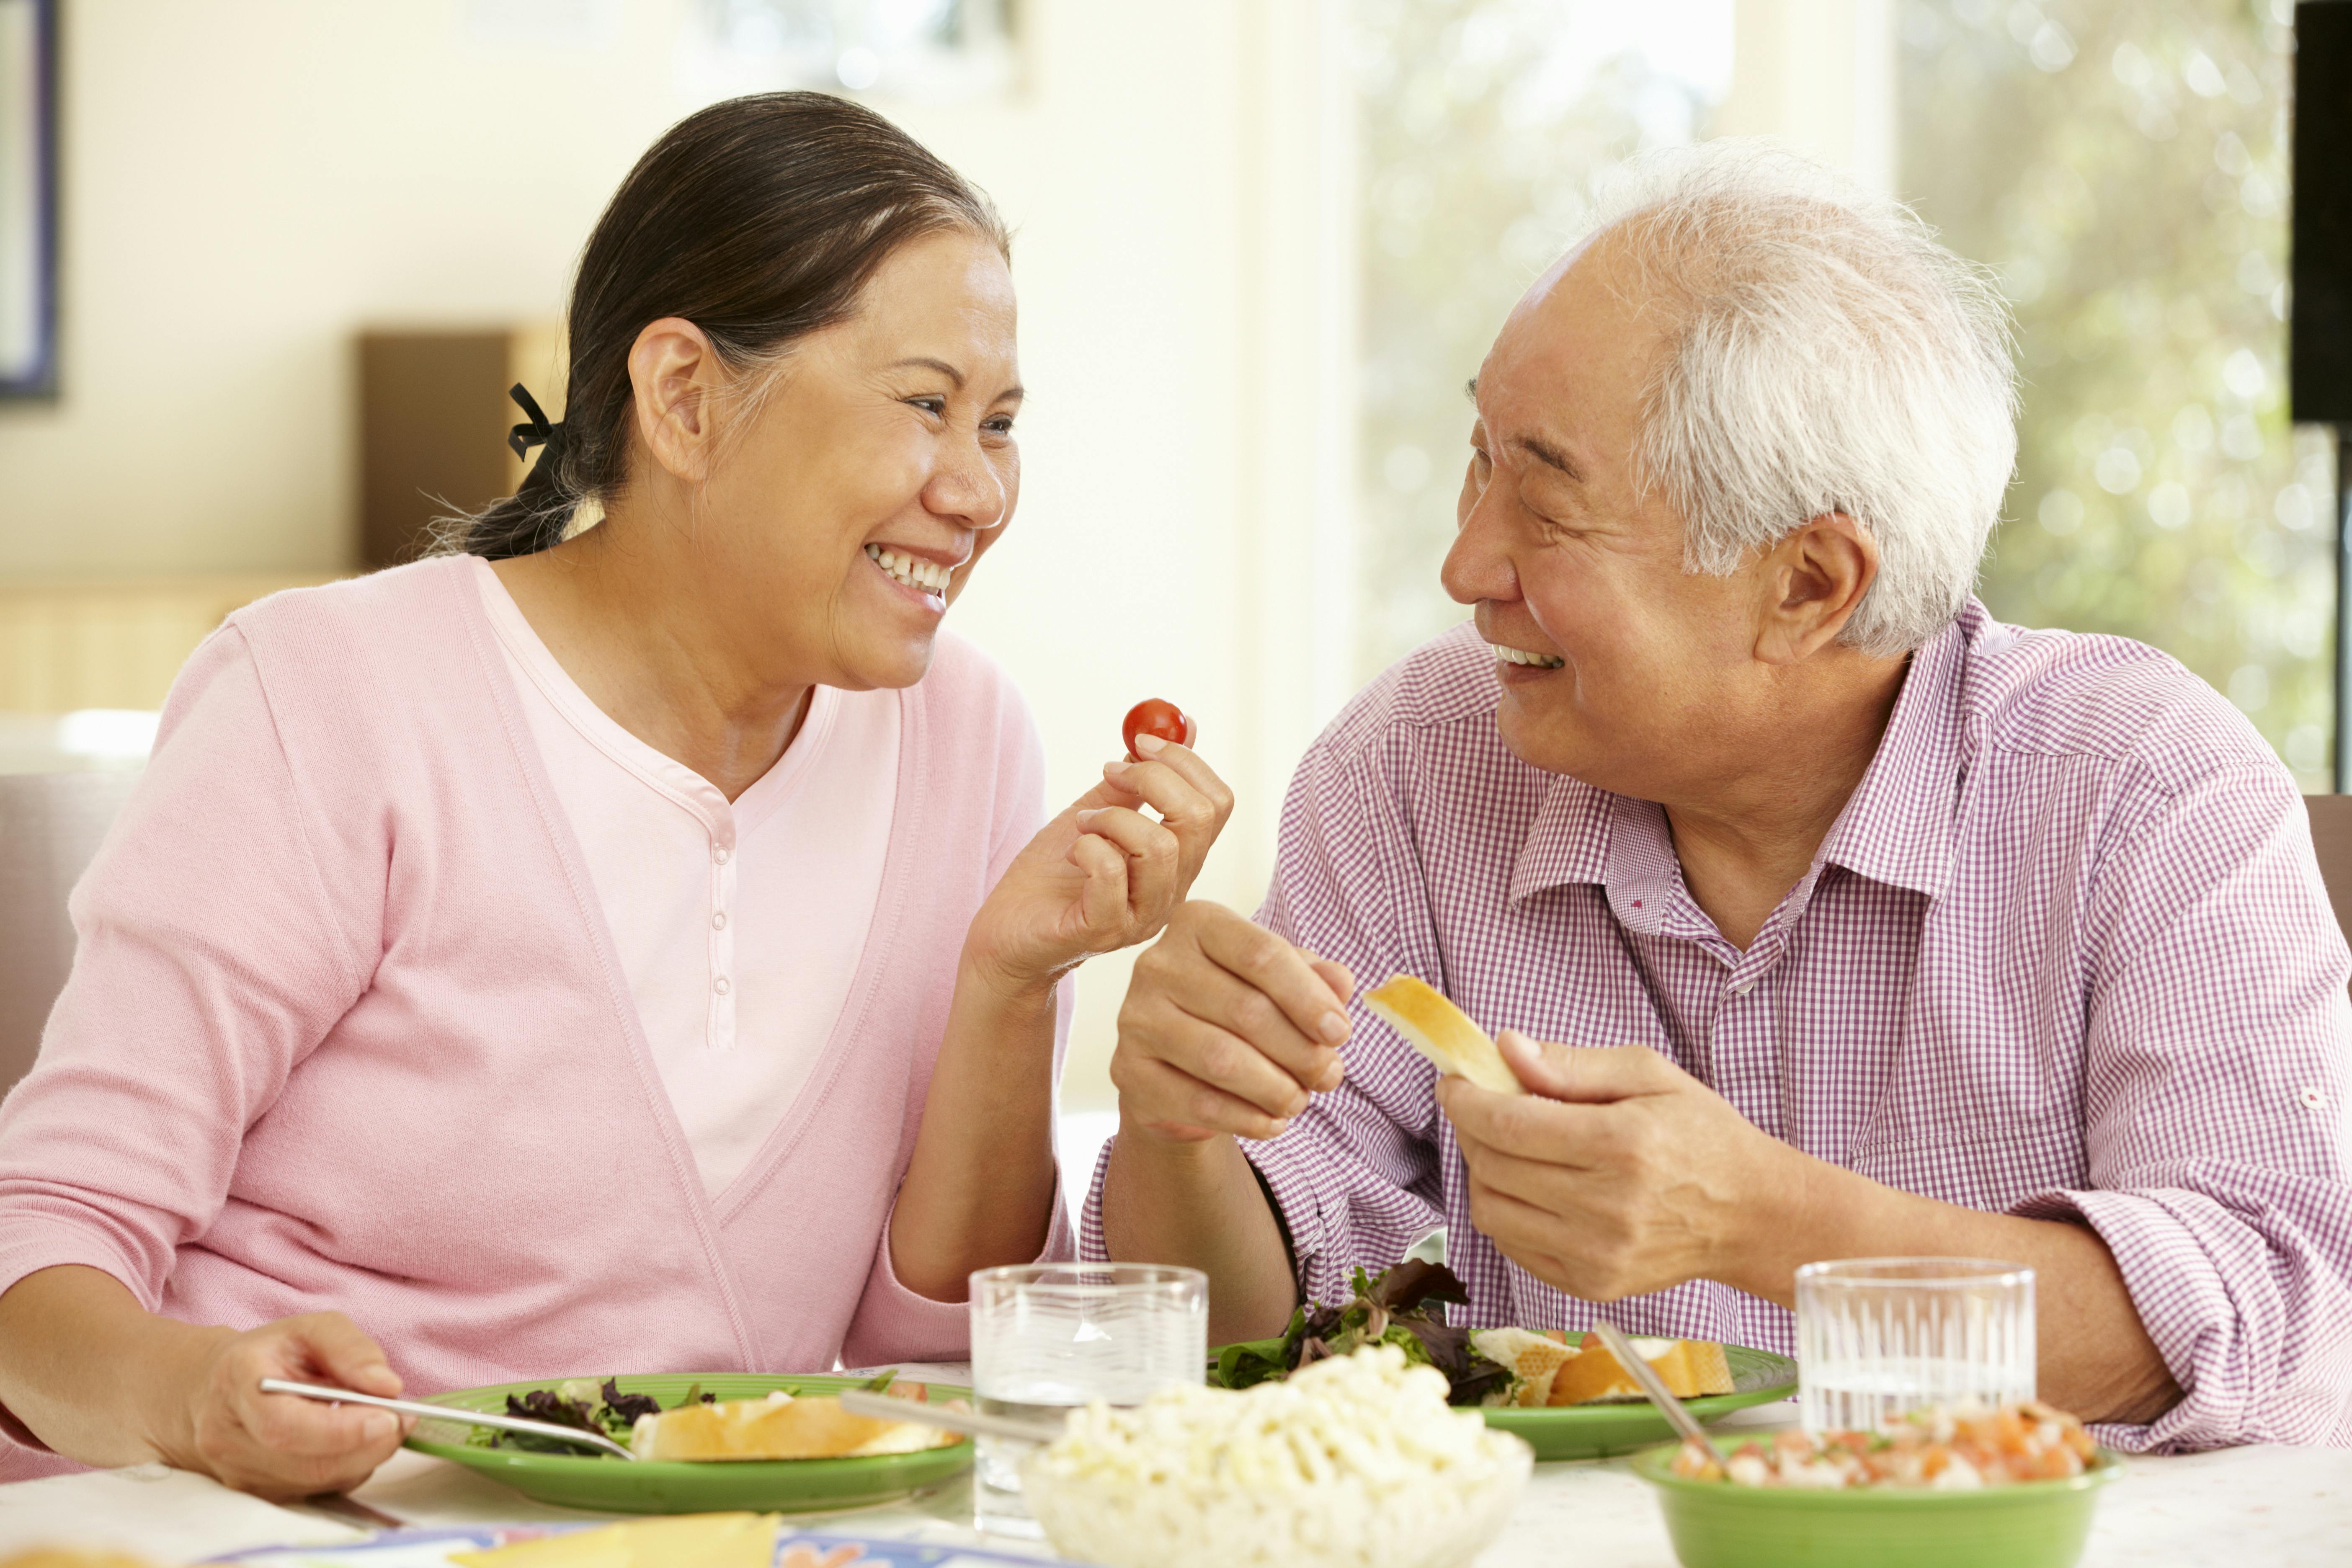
{"x": 1478, "y": 567}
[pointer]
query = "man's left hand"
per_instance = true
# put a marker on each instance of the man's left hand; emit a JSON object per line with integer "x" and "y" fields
{"x": 1618, "y": 1174}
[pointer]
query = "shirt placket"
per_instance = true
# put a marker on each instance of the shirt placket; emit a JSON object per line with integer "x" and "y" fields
{"x": 1747, "y": 1064}
{"x": 720, "y": 1034}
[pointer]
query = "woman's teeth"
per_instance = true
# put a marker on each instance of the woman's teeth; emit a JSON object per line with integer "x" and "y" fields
{"x": 927, "y": 576}
{"x": 1521, "y": 655}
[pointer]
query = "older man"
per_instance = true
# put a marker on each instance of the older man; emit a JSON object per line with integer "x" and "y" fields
{"x": 1922, "y": 934}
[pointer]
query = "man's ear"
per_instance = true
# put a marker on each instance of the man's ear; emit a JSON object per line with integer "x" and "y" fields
{"x": 1812, "y": 582}
{"x": 678, "y": 379}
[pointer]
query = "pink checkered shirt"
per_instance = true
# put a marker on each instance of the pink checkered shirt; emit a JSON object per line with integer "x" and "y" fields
{"x": 2065, "y": 954}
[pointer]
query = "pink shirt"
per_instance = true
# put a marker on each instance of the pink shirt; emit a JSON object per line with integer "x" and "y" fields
{"x": 346, "y": 1029}
{"x": 2066, "y": 953}
{"x": 738, "y": 925}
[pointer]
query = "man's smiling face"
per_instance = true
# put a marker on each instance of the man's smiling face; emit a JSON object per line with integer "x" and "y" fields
{"x": 1566, "y": 559}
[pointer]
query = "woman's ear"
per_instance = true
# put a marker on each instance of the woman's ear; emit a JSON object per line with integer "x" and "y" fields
{"x": 676, "y": 378}
{"x": 1814, "y": 582}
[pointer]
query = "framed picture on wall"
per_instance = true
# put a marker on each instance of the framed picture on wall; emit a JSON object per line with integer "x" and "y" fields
{"x": 28, "y": 198}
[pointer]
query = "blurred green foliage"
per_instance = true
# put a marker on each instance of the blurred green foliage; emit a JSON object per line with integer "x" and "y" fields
{"x": 2123, "y": 165}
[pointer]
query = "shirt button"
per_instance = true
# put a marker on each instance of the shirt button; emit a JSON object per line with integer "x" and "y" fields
{"x": 719, "y": 854}
{"x": 719, "y": 919}
{"x": 2312, "y": 1098}
{"x": 1743, "y": 988}
{"x": 719, "y": 985}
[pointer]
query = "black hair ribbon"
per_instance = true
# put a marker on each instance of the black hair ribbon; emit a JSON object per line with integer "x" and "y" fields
{"x": 536, "y": 431}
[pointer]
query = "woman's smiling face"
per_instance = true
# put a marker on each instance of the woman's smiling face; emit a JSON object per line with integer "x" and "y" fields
{"x": 845, "y": 513}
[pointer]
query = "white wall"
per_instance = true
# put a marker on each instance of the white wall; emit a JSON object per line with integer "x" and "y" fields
{"x": 246, "y": 185}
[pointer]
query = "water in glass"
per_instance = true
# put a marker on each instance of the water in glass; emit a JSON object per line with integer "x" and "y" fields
{"x": 1880, "y": 1337}
{"x": 1050, "y": 1336}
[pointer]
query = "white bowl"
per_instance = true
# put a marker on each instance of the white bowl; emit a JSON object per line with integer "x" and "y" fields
{"x": 1438, "y": 1523}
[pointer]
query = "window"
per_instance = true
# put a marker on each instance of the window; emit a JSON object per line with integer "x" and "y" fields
{"x": 2123, "y": 165}
{"x": 1485, "y": 122}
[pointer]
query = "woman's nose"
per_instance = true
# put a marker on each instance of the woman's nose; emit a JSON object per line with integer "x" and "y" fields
{"x": 967, "y": 488}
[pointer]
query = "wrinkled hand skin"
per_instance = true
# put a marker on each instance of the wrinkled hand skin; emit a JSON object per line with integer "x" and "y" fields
{"x": 1103, "y": 875}
{"x": 277, "y": 1445}
{"x": 1226, "y": 1028}
{"x": 1617, "y": 1174}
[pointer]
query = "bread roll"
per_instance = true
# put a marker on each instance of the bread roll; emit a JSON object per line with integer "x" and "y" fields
{"x": 1689, "y": 1368}
{"x": 1534, "y": 1358}
{"x": 776, "y": 1428}
{"x": 1442, "y": 1032}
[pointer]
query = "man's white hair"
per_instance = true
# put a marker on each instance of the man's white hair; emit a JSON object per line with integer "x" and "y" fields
{"x": 1825, "y": 354}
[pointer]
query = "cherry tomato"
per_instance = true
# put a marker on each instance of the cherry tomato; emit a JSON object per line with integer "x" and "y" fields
{"x": 1154, "y": 717}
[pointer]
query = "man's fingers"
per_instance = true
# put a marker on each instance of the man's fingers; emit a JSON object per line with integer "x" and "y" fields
{"x": 1337, "y": 976}
{"x": 1226, "y": 1062}
{"x": 1587, "y": 1074}
{"x": 1222, "y": 999}
{"x": 1579, "y": 1137}
{"x": 1264, "y": 962}
{"x": 1161, "y": 1096}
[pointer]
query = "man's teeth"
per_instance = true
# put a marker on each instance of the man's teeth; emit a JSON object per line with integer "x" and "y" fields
{"x": 1521, "y": 655}
{"x": 927, "y": 575}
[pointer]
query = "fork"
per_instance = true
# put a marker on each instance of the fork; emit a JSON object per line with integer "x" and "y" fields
{"x": 572, "y": 1435}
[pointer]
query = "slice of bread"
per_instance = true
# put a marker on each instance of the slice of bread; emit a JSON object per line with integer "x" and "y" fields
{"x": 1534, "y": 1358}
{"x": 776, "y": 1428}
{"x": 1442, "y": 1032}
{"x": 1689, "y": 1368}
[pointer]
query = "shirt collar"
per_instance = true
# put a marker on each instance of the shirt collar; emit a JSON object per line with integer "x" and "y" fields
{"x": 1895, "y": 828}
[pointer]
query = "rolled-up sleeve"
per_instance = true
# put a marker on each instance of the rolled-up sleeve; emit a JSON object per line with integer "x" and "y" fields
{"x": 2217, "y": 1068}
{"x": 1355, "y": 1174}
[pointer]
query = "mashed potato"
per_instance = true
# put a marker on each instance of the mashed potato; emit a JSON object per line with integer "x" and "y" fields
{"x": 1356, "y": 1461}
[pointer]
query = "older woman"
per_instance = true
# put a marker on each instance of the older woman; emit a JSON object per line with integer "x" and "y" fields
{"x": 637, "y": 949}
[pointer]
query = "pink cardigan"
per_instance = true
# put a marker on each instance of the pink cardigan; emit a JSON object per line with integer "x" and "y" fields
{"x": 345, "y": 1029}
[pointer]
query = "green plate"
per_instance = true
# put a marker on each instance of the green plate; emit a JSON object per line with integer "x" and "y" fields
{"x": 2033, "y": 1524}
{"x": 617, "y": 1485}
{"x": 1587, "y": 1431}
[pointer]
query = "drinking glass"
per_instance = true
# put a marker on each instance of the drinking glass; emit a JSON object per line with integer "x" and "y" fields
{"x": 1046, "y": 1336}
{"x": 1880, "y": 1337}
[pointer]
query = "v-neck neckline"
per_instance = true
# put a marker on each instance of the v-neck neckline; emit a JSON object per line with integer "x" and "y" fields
{"x": 651, "y": 766}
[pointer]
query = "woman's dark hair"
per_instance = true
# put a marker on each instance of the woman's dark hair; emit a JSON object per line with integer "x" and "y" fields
{"x": 760, "y": 220}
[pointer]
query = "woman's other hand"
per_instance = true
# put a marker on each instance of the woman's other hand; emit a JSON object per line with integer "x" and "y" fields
{"x": 1103, "y": 875}
{"x": 279, "y": 1445}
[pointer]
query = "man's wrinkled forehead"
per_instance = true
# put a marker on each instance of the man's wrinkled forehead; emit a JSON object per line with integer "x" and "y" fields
{"x": 1569, "y": 367}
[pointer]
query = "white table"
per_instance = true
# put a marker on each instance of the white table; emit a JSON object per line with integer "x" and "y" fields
{"x": 2276, "y": 1506}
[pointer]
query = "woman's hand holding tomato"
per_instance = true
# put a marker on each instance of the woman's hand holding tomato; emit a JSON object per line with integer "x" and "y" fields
{"x": 1103, "y": 875}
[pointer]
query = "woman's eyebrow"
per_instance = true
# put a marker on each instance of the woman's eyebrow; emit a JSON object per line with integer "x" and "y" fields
{"x": 925, "y": 361}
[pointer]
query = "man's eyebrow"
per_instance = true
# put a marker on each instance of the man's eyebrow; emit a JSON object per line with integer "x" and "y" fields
{"x": 1551, "y": 457}
{"x": 1470, "y": 389}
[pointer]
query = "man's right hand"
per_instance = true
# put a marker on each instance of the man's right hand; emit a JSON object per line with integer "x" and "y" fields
{"x": 280, "y": 1444}
{"x": 1227, "y": 1028}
